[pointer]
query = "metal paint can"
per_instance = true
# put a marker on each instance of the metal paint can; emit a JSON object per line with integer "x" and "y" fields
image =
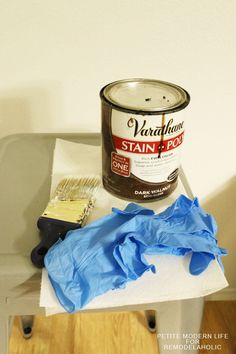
{"x": 142, "y": 136}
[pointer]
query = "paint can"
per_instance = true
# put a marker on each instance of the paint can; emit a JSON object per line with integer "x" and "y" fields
{"x": 142, "y": 136}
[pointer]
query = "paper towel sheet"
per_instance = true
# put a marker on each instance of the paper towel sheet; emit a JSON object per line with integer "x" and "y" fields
{"x": 172, "y": 280}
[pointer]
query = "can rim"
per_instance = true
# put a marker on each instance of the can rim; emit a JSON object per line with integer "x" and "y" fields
{"x": 122, "y": 108}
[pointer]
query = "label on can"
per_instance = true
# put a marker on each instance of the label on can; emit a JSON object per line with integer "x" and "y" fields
{"x": 147, "y": 146}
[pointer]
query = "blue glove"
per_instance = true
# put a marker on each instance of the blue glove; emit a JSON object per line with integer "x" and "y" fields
{"x": 180, "y": 229}
{"x": 110, "y": 252}
{"x": 83, "y": 266}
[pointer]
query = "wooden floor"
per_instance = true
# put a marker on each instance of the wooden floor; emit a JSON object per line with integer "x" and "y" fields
{"x": 219, "y": 319}
{"x": 117, "y": 333}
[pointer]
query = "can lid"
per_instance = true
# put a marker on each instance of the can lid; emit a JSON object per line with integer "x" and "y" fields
{"x": 146, "y": 95}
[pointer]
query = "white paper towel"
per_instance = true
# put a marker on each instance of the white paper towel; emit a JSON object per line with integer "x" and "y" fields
{"x": 172, "y": 280}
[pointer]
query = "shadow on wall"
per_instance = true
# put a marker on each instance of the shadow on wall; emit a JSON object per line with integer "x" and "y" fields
{"x": 32, "y": 108}
{"x": 222, "y": 204}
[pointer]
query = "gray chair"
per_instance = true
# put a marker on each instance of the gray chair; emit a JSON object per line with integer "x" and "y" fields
{"x": 25, "y": 169}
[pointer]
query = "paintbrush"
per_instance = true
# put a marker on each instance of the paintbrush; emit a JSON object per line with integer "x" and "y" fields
{"x": 67, "y": 210}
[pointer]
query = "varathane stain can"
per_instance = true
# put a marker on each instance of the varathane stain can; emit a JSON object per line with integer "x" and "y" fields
{"x": 142, "y": 136}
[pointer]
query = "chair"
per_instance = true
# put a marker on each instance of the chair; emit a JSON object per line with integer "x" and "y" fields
{"x": 25, "y": 169}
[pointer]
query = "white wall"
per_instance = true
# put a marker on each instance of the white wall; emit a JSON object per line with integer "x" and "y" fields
{"x": 56, "y": 55}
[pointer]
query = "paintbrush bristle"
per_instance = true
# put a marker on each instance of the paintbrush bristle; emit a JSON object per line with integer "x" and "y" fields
{"x": 73, "y": 199}
{"x": 73, "y": 188}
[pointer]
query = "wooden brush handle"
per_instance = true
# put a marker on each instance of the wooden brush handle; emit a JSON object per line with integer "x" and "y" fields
{"x": 51, "y": 231}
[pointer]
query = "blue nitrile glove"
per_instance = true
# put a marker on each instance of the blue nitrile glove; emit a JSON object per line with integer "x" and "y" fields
{"x": 182, "y": 228}
{"x": 110, "y": 252}
{"x": 83, "y": 266}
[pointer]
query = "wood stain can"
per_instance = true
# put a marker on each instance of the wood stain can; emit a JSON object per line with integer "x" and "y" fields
{"x": 142, "y": 136}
